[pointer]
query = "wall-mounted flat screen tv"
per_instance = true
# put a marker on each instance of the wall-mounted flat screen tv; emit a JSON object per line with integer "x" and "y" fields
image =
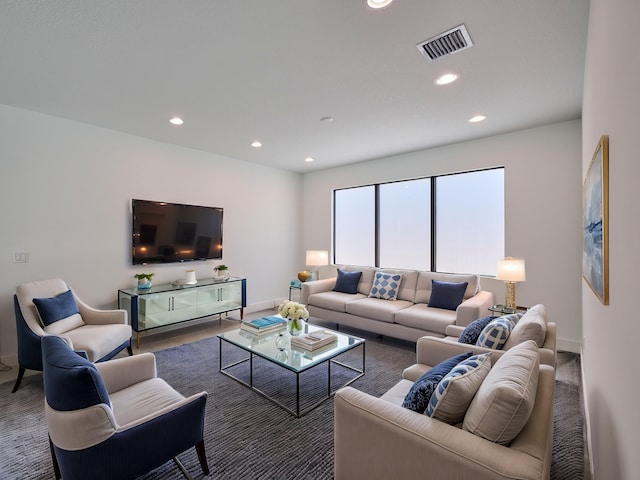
{"x": 170, "y": 232}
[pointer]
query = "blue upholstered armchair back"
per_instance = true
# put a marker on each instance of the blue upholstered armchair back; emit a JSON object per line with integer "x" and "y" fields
{"x": 71, "y": 382}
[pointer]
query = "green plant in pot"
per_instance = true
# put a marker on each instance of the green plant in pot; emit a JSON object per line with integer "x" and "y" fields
{"x": 144, "y": 279}
{"x": 222, "y": 271}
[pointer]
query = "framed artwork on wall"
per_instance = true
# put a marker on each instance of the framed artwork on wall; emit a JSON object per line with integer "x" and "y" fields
{"x": 595, "y": 222}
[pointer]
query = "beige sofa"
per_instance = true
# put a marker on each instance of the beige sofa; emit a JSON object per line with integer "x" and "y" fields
{"x": 376, "y": 438}
{"x": 409, "y": 317}
{"x": 533, "y": 325}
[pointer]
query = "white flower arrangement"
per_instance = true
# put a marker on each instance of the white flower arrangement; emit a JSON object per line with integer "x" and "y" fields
{"x": 293, "y": 311}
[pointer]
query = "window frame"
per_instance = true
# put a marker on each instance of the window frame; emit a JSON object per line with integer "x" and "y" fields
{"x": 433, "y": 215}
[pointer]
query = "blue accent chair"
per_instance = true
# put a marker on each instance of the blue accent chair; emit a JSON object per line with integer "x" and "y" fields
{"x": 100, "y": 333}
{"x": 115, "y": 419}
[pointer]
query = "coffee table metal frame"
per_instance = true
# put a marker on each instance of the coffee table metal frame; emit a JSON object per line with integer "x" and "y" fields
{"x": 329, "y": 359}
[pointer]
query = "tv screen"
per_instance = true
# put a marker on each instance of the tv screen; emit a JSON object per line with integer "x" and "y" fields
{"x": 171, "y": 232}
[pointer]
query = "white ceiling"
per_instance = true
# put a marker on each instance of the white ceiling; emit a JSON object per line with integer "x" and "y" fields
{"x": 268, "y": 70}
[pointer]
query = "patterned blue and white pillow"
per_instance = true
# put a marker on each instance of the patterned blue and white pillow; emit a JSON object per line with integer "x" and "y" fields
{"x": 472, "y": 331}
{"x": 386, "y": 285}
{"x": 513, "y": 318}
{"x": 495, "y": 334}
{"x": 453, "y": 395}
{"x": 419, "y": 394}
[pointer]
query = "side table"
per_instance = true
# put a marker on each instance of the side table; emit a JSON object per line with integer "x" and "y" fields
{"x": 295, "y": 287}
{"x": 504, "y": 310}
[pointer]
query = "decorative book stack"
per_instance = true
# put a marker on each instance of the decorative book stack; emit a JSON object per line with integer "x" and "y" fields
{"x": 261, "y": 326}
{"x": 313, "y": 341}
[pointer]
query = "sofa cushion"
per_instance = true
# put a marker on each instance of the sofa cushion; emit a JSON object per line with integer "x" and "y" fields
{"x": 347, "y": 282}
{"x": 376, "y": 308}
{"x": 455, "y": 391}
{"x": 472, "y": 331}
{"x": 420, "y": 393}
{"x": 495, "y": 334}
{"x": 336, "y": 301}
{"x": 532, "y": 326}
{"x": 503, "y": 403}
{"x": 422, "y": 317}
{"x": 60, "y": 310}
{"x": 99, "y": 340}
{"x": 398, "y": 392}
{"x": 385, "y": 286}
{"x": 447, "y": 295}
{"x": 71, "y": 381}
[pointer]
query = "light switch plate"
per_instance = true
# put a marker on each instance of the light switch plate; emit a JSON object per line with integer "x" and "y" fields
{"x": 20, "y": 257}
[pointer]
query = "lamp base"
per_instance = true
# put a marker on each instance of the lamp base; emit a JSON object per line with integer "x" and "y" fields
{"x": 510, "y": 297}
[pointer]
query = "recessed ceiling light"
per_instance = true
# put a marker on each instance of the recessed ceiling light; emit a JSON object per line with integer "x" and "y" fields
{"x": 256, "y": 144}
{"x": 326, "y": 119}
{"x": 309, "y": 159}
{"x": 477, "y": 118}
{"x": 176, "y": 121}
{"x": 378, "y": 3}
{"x": 446, "y": 79}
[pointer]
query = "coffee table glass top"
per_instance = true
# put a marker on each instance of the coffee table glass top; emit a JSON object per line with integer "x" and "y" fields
{"x": 294, "y": 359}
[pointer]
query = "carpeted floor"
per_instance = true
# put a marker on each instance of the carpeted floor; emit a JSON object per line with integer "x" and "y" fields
{"x": 248, "y": 437}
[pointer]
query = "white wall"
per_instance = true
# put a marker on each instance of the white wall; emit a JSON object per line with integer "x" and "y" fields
{"x": 543, "y": 208}
{"x": 65, "y": 193}
{"x": 610, "y": 106}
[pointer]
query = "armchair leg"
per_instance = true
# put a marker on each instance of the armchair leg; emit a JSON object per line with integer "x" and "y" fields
{"x": 54, "y": 460}
{"x": 129, "y": 349}
{"x": 202, "y": 456}
{"x": 18, "y": 380}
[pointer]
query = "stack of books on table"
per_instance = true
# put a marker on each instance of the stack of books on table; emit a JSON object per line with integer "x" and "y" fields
{"x": 261, "y": 326}
{"x": 313, "y": 341}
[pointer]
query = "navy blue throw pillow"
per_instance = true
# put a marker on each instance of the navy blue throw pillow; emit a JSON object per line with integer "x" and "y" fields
{"x": 71, "y": 382}
{"x": 56, "y": 308}
{"x": 474, "y": 329}
{"x": 347, "y": 282}
{"x": 417, "y": 399}
{"x": 447, "y": 295}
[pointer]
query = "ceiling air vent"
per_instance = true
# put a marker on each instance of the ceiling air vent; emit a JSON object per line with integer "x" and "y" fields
{"x": 446, "y": 43}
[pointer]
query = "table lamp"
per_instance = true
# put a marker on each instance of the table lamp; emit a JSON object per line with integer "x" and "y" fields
{"x": 511, "y": 270}
{"x": 316, "y": 258}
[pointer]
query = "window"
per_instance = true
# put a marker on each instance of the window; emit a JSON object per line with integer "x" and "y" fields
{"x": 470, "y": 222}
{"x": 354, "y": 226}
{"x": 405, "y": 225}
{"x": 452, "y": 223}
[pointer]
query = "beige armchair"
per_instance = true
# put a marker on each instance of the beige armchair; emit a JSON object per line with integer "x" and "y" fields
{"x": 534, "y": 325}
{"x": 376, "y": 438}
{"x": 102, "y": 334}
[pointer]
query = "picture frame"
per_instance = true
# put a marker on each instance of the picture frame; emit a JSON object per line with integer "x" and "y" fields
{"x": 595, "y": 222}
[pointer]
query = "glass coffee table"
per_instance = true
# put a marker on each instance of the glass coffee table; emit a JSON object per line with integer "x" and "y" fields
{"x": 288, "y": 359}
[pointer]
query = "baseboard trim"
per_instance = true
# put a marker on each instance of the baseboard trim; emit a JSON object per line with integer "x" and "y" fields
{"x": 568, "y": 345}
{"x": 587, "y": 420}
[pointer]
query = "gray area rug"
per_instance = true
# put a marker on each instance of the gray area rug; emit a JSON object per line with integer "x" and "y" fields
{"x": 249, "y": 437}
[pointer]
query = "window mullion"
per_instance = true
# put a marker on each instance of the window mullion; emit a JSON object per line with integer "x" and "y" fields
{"x": 377, "y": 225}
{"x": 433, "y": 225}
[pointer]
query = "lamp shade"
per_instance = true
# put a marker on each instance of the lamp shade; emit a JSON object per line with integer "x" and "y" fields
{"x": 511, "y": 269}
{"x": 316, "y": 258}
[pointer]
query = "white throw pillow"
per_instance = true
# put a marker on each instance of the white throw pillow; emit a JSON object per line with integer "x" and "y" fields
{"x": 532, "y": 326}
{"x": 503, "y": 403}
